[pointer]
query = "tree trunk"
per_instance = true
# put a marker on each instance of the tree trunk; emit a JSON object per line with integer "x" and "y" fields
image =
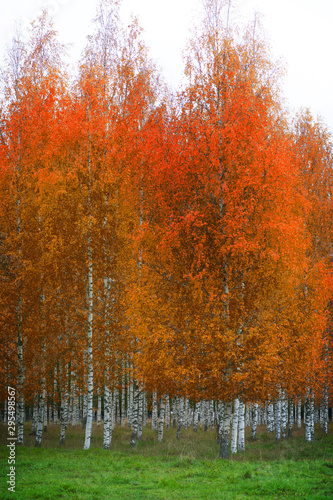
{"x": 284, "y": 415}
{"x": 154, "y": 415}
{"x": 225, "y": 437}
{"x": 234, "y": 430}
{"x": 270, "y": 417}
{"x": 107, "y": 418}
{"x": 254, "y": 422}
{"x": 161, "y": 420}
{"x": 63, "y": 415}
{"x": 241, "y": 427}
{"x": 135, "y": 411}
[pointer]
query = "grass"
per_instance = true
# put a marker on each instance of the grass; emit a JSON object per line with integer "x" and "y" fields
{"x": 185, "y": 469}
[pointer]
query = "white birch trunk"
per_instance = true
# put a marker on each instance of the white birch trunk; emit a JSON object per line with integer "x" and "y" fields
{"x": 40, "y": 419}
{"x": 307, "y": 420}
{"x": 284, "y": 414}
{"x": 254, "y": 421}
{"x": 225, "y": 437}
{"x": 89, "y": 350}
{"x": 154, "y": 415}
{"x": 63, "y": 415}
{"x": 234, "y": 430}
{"x": 140, "y": 415}
{"x": 161, "y": 420}
{"x": 312, "y": 413}
{"x": 167, "y": 411}
{"x": 20, "y": 378}
{"x": 241, "y": 427}
{"x": 299, "y": 413}
{"x": 270, "y": 417}
{"x": 107, "y": 418}
{"x": 135, "y": 411}
{"x": 123, "y": 392}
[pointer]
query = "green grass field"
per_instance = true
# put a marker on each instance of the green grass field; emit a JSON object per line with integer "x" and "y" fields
{"x": 185, "y": 469}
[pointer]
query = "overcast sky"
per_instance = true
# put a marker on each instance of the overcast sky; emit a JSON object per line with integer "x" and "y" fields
{"x": 300, "y": 32}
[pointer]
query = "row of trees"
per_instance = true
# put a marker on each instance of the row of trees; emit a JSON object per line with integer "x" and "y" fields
{"x": 175, "y": 245}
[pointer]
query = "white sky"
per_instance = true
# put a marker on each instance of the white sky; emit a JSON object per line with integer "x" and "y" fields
{"x": 300, "y": 32}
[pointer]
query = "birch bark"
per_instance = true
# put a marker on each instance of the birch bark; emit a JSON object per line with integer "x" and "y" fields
{"x": 154, "y": 415}
{"x": 254, "y": 421}
{"x": 135, "y": 411}
{"x": 241, "y": 427}
{"x": 234, "y": 431}
{"x": 225, "y": 437}
{"x": 161, "y": 420}
{"x": 107, "y": 416}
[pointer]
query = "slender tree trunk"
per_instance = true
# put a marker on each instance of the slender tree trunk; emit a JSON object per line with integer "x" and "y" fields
{"x": 123, "y": 392}
{"x": 225, "y": 437}
{"x": 107, "y": 416}
{"x": 40, "y": 420}
{"x": 284, "y": 414}
{"x": 140, "y": 415}
{"x": 270, "y": 417}
{"x": 161, "y": 420}
{"x": 234, "y": 430}
{"x": 135, "y": 412}
{"x": 154, "y": 416}
{"x": 299, "y": 413}
{"x": 63, "y": 415}
{"x": 89, "y": 350}
{"x": 20, "y": 378}
{"x": 241, "y": 427}
{"x": 254, "y": 421}
{"x": 312, "y": 413}
{"x": 307, "y": 420}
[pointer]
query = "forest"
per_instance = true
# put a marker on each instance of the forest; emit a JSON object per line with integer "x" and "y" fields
{"x": 165, "y": 256}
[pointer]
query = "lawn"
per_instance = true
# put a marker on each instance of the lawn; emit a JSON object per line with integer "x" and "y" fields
{"x": 184, "y": 469}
